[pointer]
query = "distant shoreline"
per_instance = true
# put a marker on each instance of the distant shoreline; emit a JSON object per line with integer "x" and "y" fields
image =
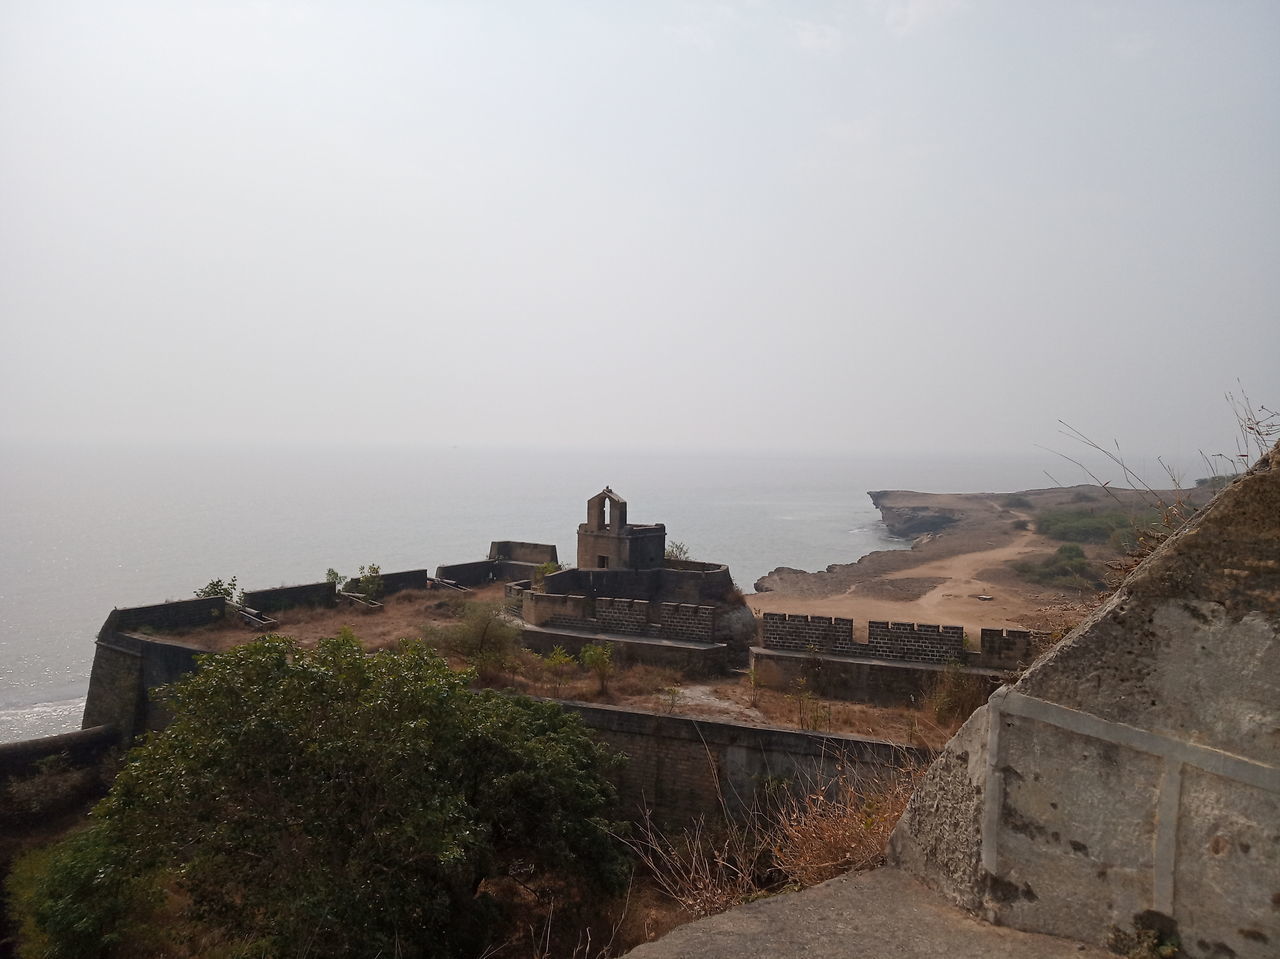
{"x": 957, "y": 571}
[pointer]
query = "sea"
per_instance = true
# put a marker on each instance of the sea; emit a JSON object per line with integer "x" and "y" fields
{"x": 89, "y": 528}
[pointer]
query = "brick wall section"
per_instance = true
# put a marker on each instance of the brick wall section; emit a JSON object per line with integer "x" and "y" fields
{"x": 797, "y": 633}
{"x": 622, "y": 617}
{"x": 1005, "y": 648}
{"x": 626, "y": 617}
{"x": 686, "y": 621}
{"x": 923, "y": 643}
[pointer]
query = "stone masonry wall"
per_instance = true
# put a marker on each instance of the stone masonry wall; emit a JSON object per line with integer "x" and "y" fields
{"x": 686, "y": 621}
{"x": 680, "y": 768}
{"x": 627, "y": 617}
{"x": 286, "y": 597}
{"x": 924, "y": 643}
{"x": 1005, "y": 648}
{"x": 822, "y": 634}
{"x": 623, "y": 617}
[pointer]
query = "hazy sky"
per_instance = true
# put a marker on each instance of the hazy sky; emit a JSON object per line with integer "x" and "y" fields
{"x": 895, "y": 224}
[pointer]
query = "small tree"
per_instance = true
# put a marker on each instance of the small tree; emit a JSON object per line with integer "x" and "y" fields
{"x": 598, "y": 657}
{"x": 677, "y": 550}
{"x": 559, "y": 664}
{"x": 216, "y": 587}
{"x": 331, "y": 575}
{"x": 327, "y": 802}
{"x": 371, "y": 581}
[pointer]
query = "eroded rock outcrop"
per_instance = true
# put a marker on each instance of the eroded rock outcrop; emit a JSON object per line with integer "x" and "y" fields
{"x": 910, "y": 521}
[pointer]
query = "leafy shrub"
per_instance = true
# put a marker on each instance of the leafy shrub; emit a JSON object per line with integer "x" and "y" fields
{"x": 598, "y": 658}
{"x": 1016, "y": 501}
{"x": 483, "y": 637}
{"x": 677, "y": 550}
{"x": 952, "y": 694}
{"x": 1067, "y": 568}
{"x": 83, "y": 898}
{"x": 559, "y": 665}
{"x": 327, "y": 802}
{"x": 1081, "y": 526}
{"x": 216, "y": 587}
{"x": 1021, "y": 524}
{"x": 370, "y": 585}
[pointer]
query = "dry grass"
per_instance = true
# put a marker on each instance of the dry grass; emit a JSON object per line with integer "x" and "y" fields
{"x": 844, "y": 826}
{"x": 789, "y": 839}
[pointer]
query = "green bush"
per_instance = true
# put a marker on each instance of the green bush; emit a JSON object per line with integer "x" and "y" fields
{"x": 1015, "y": 501}
{"x": 370, "y": 585}
{"x": 329, "y": 802}
{"x": 1081, "y": 526}
{"x": 598, "y": 658}
{"x": 84, "y": 898}
{"x": 483, "y": 637}
{"x": 1067, "y": 568}
{"x": 216, "y": 587}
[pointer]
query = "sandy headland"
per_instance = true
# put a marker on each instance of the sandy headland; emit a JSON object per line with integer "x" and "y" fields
{"x": 957, "y": 570}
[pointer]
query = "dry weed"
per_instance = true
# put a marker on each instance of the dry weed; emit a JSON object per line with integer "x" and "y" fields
{"x": 845, "y": 826}
{"x": 841, "y": 822}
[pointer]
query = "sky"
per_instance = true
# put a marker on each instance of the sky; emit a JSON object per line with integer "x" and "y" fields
{"x": 887, "y": 225}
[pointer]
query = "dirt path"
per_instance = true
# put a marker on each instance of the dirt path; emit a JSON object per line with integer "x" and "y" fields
{"x": 947, "y": 586}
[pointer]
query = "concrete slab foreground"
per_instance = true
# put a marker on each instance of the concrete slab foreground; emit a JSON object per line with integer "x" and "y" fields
{"x": 879, "y": 914}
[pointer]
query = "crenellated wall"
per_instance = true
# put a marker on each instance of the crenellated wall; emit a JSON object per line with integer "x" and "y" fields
{"x": 1005, "y": 648}
{"x": 701, "y": 583}
{"x": 622, "y": 617}
{"x": 798, "y": 633}
{"x": 915, "y": 643}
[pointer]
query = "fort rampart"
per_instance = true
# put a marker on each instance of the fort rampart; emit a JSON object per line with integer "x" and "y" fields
{"x": 682, "y": 767}
{"x": 623, "y": 617}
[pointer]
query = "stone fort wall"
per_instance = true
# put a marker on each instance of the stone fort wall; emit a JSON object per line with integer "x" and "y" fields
{"x": 681, "y": 768}
{"x": 625, "y": 617}
{"x": 904, "y": 642}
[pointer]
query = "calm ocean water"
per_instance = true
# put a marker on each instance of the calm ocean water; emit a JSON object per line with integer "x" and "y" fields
{"x": 86, "y": 529}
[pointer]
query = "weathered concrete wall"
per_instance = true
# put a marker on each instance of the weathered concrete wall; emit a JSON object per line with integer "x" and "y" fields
{"x": 84, "y": 747}
{"x": 533, "y": 553}
{"x": 468, "y": 574}
{"x": 682, "y": 768}
{"x": 286, "y": 597}
{"x": 1136, "y": 767}
{"x": 179, "y": 614}
{"x": 125, "y": 669}
{"x": 404, "y": 579}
